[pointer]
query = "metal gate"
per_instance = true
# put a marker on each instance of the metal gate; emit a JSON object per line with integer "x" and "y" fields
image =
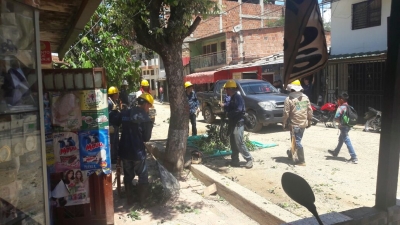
{"x": 365, "y": 85}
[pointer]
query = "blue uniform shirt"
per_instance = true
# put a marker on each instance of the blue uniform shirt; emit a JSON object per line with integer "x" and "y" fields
{"x": 235, "y": 108}
{"x": 193, "y": 102}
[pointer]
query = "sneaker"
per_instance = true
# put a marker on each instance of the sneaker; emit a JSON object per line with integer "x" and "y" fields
{"x": 354, "y": 161}
{"x": 333, "y": 153}
{"x": 249, "y": 164}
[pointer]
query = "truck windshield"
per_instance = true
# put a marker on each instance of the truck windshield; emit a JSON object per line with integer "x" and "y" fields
{"x": 258, "y": 88}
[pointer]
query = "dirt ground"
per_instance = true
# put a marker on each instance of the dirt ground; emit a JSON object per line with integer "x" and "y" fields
{"x": 337, "y": 184}
{"x": 190, "y": 207}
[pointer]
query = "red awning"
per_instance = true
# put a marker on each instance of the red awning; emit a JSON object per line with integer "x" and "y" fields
{"x": 201, "y": 77}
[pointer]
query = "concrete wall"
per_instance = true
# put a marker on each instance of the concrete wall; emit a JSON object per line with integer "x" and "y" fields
{"x": 345, "y": 40}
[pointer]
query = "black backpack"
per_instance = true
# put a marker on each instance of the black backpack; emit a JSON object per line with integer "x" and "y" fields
{"x": 351, "y": 117}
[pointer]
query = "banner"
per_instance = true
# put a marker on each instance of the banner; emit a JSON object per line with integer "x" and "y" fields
{"x": 73, "y": 189}
{"x": 305, "y": 49}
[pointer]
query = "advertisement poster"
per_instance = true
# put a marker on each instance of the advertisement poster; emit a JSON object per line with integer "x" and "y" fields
{"x": 95, "y": 119}
{"x": 94, "y": 149}
{"x": 66, "y": 111}
{"x": 66, "y": 151}
{"x": 73, "y": 189}
{"x": 93, "y": 99}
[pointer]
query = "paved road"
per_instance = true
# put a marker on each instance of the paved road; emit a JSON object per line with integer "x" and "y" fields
{"x": 338, "y": 185}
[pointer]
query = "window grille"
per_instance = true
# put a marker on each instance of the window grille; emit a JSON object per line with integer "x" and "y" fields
{"x": 366, "y": 14}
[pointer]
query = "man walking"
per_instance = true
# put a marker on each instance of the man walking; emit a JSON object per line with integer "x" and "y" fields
{"x": 344, "y": 129}
{"x": 136, "y": 129}
{"x": 235, "y": 109}
{"x": 193, "y": 106}
{"x": 161, "y": 90}
{"x": 297, "y": 115}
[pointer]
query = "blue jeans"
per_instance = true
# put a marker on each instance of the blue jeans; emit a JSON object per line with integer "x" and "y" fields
{"x": 237, "y": 144}
{"x": 344, "y": 138}
{"x": 298, "y": 134}
{"x": 162, "y": 97}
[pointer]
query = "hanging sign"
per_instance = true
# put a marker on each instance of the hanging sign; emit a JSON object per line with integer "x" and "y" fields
{"x": 45, "y": 52}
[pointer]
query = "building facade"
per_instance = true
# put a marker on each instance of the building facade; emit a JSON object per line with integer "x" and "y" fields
{"x": 358, "y": 53}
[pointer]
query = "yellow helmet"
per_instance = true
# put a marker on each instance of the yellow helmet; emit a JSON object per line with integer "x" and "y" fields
{"x": 147, "y": 97}
{"x": 144, "y": 83}
{"x": 296, "y": 82}
{"x": 188, "y": 84}
{"x": 230, "y": 84}
{"x": 112, "y": 90}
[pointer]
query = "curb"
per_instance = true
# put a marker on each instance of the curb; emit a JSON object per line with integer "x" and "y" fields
{"x": 248, "y": 202}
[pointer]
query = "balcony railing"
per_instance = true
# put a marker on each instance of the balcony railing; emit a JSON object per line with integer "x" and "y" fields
{"x": 207, "y": 60}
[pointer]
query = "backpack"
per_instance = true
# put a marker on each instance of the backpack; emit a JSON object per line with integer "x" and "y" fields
{"x": 350, "y": 117}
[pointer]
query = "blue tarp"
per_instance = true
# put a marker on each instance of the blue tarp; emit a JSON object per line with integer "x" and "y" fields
{"x": 192, "y": 139}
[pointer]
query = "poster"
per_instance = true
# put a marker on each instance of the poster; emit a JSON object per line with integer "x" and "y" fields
{"x": 66, "y": 111}
{"x": 66, "y": 151}
{"x": 94, "y": 149}
{"x": 93, "y": 99}
{"x": 73, "y": 189}
{"x": 95, "y": 119}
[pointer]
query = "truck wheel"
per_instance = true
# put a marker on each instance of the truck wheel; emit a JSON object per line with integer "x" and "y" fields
{"x": 208, "y": 115}
{"x": 255, "y": 125}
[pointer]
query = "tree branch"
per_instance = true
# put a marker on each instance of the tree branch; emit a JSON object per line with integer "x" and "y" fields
{"x": 193, "y": 27}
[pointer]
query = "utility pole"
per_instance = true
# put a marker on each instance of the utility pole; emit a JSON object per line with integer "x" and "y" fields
{"x": 241, "y": 55}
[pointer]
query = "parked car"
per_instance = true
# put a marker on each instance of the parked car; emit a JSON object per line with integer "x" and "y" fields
{"x": 264, "y": 103}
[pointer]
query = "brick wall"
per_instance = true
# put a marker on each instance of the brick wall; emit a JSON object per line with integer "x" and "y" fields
{"x": 230, "y": 18}
{"x": 257, "y": 43}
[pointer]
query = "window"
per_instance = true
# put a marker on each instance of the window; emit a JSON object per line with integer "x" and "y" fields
{"x": 223, "y": 46}
{"x": 211, "y": 48}
{"x": 366, "y": 14}
{"x": 152, "y": 72}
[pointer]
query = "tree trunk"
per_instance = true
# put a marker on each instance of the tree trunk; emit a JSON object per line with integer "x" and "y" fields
{"x": 179, "y": 118}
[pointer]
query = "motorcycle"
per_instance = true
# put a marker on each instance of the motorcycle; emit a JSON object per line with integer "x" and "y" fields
{"x": 373, "y": 118}
{"x": 325, "y": 114}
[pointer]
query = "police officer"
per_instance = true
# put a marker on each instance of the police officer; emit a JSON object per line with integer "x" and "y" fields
{"x": 113, "y": 111}
{"x": 136, "y": 129}
{"x": 235, "y": 109}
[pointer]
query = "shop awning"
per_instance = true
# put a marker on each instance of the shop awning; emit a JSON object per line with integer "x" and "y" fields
{"x": 201, "y": 77}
